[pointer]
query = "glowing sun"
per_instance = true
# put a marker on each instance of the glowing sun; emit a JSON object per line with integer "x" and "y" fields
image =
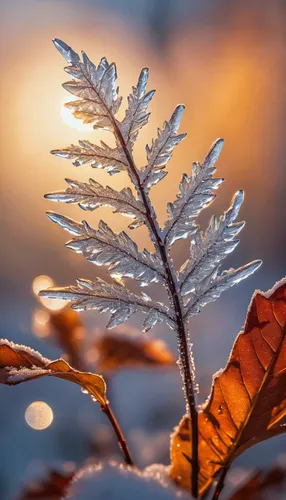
{"x": 71, "y": 121}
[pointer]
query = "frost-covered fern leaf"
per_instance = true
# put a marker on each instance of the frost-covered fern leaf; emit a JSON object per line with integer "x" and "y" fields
{"x": 209, "y": 248}
{"x": 136, "y": 116}
{"x": 195, "y": 194}
{"x": 117, "y": 251}
{"x": 95, "y": 86}
{"x": 112, "y": 298}
{"x": 103, "y": 156}
{"x": 213, "y": 285}
{"x": 200, "y": 279}
{"x": 94, "y": 195}
{"x": 161, "y": 149}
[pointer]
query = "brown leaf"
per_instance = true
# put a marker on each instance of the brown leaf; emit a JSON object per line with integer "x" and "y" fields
{"x": 260, "y": 485}
{"x": 113, "y": 352}
{"x": 68, "y": 332}
{"x": 19, "y": 363}
{"x": 247, "y": 400}
{"x": 52, "y": 487}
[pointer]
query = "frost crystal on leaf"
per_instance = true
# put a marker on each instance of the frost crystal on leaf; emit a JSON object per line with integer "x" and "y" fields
{"x": 209, "y": 248}
{"x": 94, "y": 195}
{"x": 212, "y": 287}
{"x": 102, "y": 156}
{"x": 136, "y": 116}
{"x": 117, "y": 251}
{"x": 195, "y": 194}
{"x": 95, "y": 86}
{"x": 200, "y": 279}
{"x": 107, "y": 297}
{"x": 161, "y": 149}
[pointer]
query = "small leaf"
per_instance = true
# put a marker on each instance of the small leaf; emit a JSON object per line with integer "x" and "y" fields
{"x": 248, "y": 398}
{"x": 135, "y": 115}
{"x": 19, "y": 364}
{"x": 210, "y": 247}
{"x": 95, "y": 86}
{"x": 92, "y": 195}
{"x": 52, "y": 487}
{"x": 161, "y": 149}
{"x": 195, "y": 194}
{"x": 117, "y": 251}
{"x": 102, "y": 156}
{"x": 114, "y": 352}
{"x": 107, "y": 297}
{"x": 211, "y": 288}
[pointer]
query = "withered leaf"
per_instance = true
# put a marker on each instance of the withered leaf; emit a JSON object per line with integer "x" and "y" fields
{"x": 260, "y": 485}
{"x": 68, "y": 332}
{"x": 19, "y": 363}
{"x": 113, "y": 352}
{"x": 247, "y": 400}
{"x": 52, "y": 487}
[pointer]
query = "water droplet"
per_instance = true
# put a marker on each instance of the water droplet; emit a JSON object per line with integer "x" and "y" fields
{"x": 220, "y": 410}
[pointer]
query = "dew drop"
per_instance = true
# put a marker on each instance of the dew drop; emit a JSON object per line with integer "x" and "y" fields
{"x": 220, "y": 410}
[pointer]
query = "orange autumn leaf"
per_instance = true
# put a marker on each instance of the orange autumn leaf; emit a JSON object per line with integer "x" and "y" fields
{"x": 113, "y": 352}
{"x": 248, "y": 398}
{"x": 19, "y": 364}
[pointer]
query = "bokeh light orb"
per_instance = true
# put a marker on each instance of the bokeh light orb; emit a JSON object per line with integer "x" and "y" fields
{"x": 69, "y": 119}
{"x": 39, "y": 415}
{"x": 41, "y": 283}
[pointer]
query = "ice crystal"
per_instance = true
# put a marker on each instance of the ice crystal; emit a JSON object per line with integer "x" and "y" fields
{"x": 136, "y": 116}
{"x": 22, "y": 374}
{"x": 161, "y": 150}
{"x": 111, "y": 297}
{"x": 200, "y": 280}
{"x": 93, "y": 195}
{"x": 118, "y": 251}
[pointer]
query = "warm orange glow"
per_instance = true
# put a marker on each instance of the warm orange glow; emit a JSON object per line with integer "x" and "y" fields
{"x": 53, "y": 304}
{"x": 40, "y": 323}
{"x": 39, "y": 415}
{"x": 92, "y": 355}
{"x": 71, "y": 121}
{"x": 41, "y": 283}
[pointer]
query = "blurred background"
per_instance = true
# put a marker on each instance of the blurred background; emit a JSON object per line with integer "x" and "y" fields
{"x": 226, "y": 62}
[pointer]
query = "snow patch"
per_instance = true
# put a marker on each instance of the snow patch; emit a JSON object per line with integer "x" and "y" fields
{"x": 115, "y": 481}
{"x": 22, "y": 374}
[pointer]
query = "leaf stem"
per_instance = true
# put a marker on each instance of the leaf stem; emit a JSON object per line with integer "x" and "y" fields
{"x": 119, "y": 434}
{"x": 220, "y": 484}
{"x": 175, "y": 297}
